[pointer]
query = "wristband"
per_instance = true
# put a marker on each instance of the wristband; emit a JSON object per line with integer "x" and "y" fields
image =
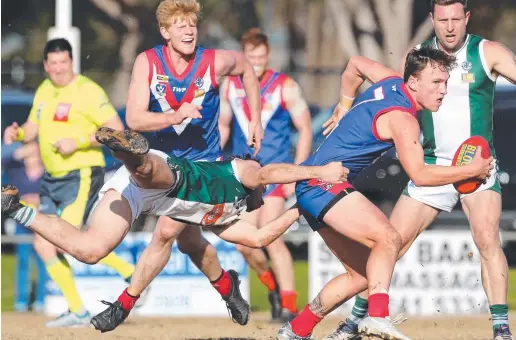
{"x": 345, "y": 102}
{"x": 20, "y": 135}
{"x": 83, "y": 142}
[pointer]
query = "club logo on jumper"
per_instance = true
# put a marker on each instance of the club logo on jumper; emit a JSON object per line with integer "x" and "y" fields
{"x": 199, "y": 82}
{"x": 467, "y": 66}
{"x": 211, "y": 217}
{"x": 161, "y": 88}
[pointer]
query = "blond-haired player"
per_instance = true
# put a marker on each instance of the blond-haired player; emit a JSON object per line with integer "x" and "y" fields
{"x": 174, "y": 98}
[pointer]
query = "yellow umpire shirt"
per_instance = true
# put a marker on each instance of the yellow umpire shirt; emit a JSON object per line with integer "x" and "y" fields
{"x": 75, "y": 110}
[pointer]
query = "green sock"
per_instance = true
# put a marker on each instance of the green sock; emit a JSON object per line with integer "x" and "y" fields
{"x": 499, "y": 314}
{"x": 358, "y": 312}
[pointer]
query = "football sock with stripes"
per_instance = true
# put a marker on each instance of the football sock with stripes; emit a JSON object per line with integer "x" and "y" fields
{"x": 499, "y": 315}
{"x": 358, "y": 312}
{"x": 25, "y": 215}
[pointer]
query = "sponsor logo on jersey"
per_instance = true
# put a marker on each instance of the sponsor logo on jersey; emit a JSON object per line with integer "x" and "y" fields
{"x": 40, "y": 107}
{"x": 178, "y": 89}
{"x": 162, "y": 78}
{"x": 62, "y": 111}
{"x": 468, "y": 77}
{"x": 199, "y": 93}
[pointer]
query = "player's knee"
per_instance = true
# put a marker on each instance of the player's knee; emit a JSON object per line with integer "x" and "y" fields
{"x": 393, "y": 239}
{"x": 163, "y": 235}
{"x": 486, "y": 240}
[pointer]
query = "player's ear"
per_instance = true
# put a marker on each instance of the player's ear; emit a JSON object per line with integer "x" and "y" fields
{"x": 164, "y": 33}
{"x": 413, "y": 83}
{"x": 467, "y": 16}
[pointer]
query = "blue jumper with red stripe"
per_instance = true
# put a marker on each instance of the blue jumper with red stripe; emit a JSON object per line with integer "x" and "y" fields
{"x": 354, "y": 142}
{"x": 196, "y": 139}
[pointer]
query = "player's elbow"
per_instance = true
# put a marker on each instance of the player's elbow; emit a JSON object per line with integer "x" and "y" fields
{"x": 133, "y": 122}
{"x": 92, "y": 256}
{"x": 256, "y": 242}
{"x": 420, "y": 179}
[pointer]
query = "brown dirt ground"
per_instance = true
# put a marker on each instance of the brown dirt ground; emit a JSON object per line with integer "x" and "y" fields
{"x": 31, "y": 326}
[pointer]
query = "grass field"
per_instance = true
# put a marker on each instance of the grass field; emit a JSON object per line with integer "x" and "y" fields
{"x": 259, "y": 300}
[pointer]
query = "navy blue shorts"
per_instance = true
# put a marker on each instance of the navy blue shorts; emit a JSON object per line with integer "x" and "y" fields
{"x": 315, "y": 198}
{"x": 72, "y": 196}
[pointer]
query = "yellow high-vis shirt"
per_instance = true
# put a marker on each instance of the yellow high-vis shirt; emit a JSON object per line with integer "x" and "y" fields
{"x": 76, "y": 110}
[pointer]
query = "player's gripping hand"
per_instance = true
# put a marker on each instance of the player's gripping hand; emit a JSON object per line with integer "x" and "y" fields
{"x": 187, "y": 110}
{"x": 255, "y": 136}
{"x": 330, "y": 124}
{"x": 482, "y": 166}
{"x": 11, "y": 134}
{"x": 334, "y": 172}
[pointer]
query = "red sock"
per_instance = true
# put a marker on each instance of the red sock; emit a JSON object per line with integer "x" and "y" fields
{"x": 267, "y": 278}
{"x": 378, "y": 305}
{"x": 288, "y": 300}
{"x": 127, "y": 300}
{"x": 305, "y": 322}
{"x": 222, "y": 284}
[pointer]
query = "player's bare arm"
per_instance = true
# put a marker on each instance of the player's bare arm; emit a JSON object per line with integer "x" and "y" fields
{"x": 301, "y": 118}
{"x": 501, "y": 60}
{"x": 252, "y": 176}
{"x": 247, "y": 234}
{"x": 231, "y": 63}
{"x": 358, "y": 70}
{"x": 403, "y": 129}
{"x": 138, "y": 116}
{"x": 225, "y": 115}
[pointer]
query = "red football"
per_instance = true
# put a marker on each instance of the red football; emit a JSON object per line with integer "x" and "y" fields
{"x": 464, "y": 155}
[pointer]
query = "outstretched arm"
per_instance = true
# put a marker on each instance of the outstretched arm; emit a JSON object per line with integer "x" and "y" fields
{"x": 283, "y": 173}
{"x": 358, "y": 70}
{"x": 404, "y": 131}
{"x": 247, "y": 234}
{"x": 231, "y": 63}
{"x": 501, "y": 60}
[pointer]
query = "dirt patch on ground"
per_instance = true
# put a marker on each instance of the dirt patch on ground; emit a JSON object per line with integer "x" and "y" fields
{"x": 31, "y": 326}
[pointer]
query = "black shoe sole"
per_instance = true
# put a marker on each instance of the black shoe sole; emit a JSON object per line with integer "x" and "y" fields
{"x": 10, "y": 199}
{"x": 126, "y": 140}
